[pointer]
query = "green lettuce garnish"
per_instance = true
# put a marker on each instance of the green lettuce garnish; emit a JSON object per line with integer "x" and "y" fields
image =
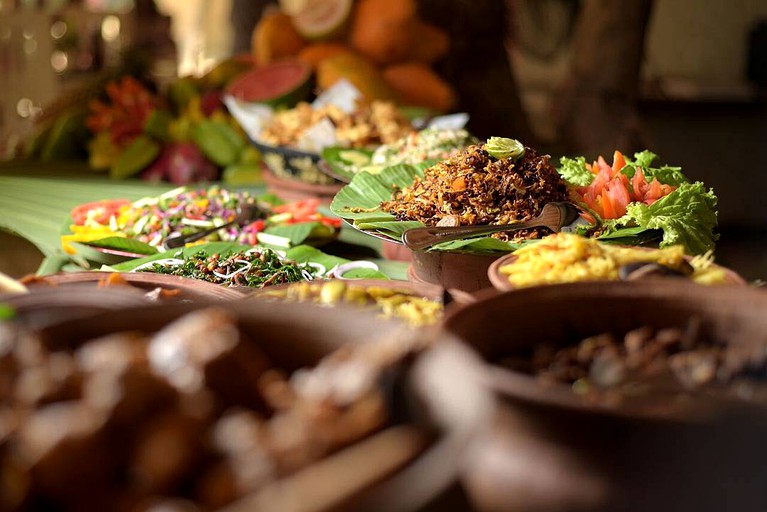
{"x": 686, "y": 216}
{"x": 574, "y": 171}
{"x": 666, "y": 174}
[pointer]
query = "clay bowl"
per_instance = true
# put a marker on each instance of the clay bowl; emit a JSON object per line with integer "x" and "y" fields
{"x": 549, "y": 449}
{"x": 462, "y": 271}
{"x": 501, "y": 283}
{"x": 178, "y": 288}
{"x": 44, "y": 306}
{"x": 409, "y": 465}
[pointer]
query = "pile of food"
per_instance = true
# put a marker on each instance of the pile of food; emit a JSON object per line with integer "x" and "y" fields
{"x": 647, "y": 361}
{"x": 567, "y": 258}
{"x": 429, "y": 144}
{"x": 414, "y": 309}
{"x": 634, "y": 201}
{"x": 370, "y": 124}
{"x": 192, "y": 417}
{"x": 254, "y": 268}
{"x": 482, "y": 185}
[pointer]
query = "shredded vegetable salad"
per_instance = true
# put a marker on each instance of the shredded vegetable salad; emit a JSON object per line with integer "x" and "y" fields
{"x": 183, "y": 211}
{"x": 255, "y": 268}
{"x": 186, "y": 211}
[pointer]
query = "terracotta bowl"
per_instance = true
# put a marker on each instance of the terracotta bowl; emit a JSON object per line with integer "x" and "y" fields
{"x": 500, "y": 281}
{"x": 462, "y": 271}
{"x": 44, "y": 306}
{"x": 410, "y": 465}
{"x": 549, "y": 449}
{"x": 178, "y": 288}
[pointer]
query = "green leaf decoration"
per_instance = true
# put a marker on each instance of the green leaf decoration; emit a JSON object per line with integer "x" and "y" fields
{"x": 309, "y": 254}
{"x": 7, "y": 312}
{"x": 136, "y": 157}
{"x": 296, "y": 233}
{"x": 123, "y": 244}
{"x": 345, "y": 162}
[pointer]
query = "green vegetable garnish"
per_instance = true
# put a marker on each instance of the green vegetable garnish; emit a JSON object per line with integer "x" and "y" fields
{"x": 575, "y": 172}
{"x": 6, "y": 312}
{"x": 687, "y": 216}
{"x": 501, "y": 147}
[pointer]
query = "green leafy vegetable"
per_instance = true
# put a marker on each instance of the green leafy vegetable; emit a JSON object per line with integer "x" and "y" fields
{"x": 687, "y": 216}
{"x": 574, "y": 171}
{"x": 253, "y": 268}
{"x": 120, "y": 243}
{"x": 666, "y": 174}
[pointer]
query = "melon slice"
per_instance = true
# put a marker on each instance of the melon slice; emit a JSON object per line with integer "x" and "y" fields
{"x": 322, "y": 20}
{"x": 280, "y": 84}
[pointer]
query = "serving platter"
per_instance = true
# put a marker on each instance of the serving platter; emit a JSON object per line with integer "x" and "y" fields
{"x": 171, "y": 288}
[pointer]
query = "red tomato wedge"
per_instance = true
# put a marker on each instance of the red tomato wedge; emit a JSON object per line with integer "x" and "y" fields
{"x": 306, "y": 211}
{"x": 610, "y": 192}
{"x": 98, "y": 211}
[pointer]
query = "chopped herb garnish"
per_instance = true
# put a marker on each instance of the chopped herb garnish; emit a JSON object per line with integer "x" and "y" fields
{"x": 254, "y": 268}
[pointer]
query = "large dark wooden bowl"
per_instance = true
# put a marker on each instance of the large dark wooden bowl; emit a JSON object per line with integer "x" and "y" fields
{"x": 549, "y": 450}
{"x": 294, "y": 336}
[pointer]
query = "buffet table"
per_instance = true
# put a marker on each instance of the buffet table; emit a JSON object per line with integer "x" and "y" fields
{"x": 35, "y": 205}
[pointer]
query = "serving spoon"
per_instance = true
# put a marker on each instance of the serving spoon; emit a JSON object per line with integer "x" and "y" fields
{"x": 556, "y": 216}
{"x": 244, "y": 213}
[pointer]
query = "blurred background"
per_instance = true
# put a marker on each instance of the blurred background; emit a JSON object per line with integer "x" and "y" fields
{"x": 684, "y": 78}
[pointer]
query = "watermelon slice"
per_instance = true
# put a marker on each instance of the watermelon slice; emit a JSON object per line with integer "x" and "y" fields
{"x": 279, "y": 84}
{"x": 322, "y": 20}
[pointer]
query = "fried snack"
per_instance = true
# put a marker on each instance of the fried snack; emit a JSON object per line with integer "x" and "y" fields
{"x": 475, "y": 188}
{"x": 370, "y": 124}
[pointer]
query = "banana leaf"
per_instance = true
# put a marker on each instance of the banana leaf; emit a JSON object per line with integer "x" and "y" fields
{"x": 359, "y": 203}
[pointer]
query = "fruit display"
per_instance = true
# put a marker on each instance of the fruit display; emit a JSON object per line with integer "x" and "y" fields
{"x": 381, "y": 46}
{"x": 182, "y": 134}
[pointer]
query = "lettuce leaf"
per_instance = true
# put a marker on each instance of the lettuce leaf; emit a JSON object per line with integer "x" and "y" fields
{"x": 666, "y": 174}
{"x": 574, "y": 171}
{"x": 687, "y": 216}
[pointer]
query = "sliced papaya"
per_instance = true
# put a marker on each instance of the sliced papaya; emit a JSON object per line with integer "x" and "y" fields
{"x": 416, "y": 84}
{"x": 315, "y": 53}
{"x": 281, "y": 84}
{"x": 357, "y": 70}
{"x": 431, "y": 44}
{"x": 384, "y": 30}
{"x": 275, "y": 38}
{"x": 323, "y": 20}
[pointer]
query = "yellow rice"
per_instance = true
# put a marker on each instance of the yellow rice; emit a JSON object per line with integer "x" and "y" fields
{"x": 566, "y": 258}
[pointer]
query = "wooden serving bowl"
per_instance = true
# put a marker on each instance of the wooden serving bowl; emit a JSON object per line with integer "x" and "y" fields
{"x": 180, "y": 288}
{"x": 462, "y": 271}
{"x": 549, "y": 450}
{"x": 408, "y": 466}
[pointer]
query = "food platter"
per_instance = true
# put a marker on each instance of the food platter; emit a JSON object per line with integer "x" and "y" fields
{"x": 166, "y": 288}
{"x": 713, "y": 273}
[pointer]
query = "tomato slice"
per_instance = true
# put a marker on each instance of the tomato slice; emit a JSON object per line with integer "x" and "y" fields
{"x": 99, "y": 211}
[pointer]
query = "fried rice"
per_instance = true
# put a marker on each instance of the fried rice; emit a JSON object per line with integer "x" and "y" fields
{"x": 473, "y": 188}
